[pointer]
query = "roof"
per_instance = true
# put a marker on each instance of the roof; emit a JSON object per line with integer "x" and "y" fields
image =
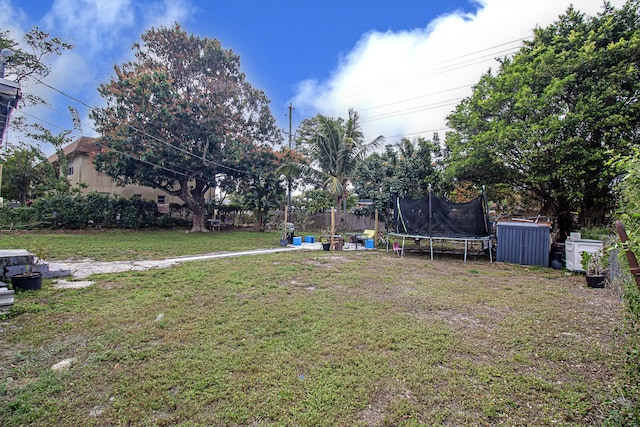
{"x": 82, "y": 145}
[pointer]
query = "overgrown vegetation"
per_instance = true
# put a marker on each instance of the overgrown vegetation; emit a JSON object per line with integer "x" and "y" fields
{"x": 627, "y": 408}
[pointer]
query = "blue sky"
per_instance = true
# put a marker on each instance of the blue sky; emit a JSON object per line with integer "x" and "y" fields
{"x": 402, "y": 65}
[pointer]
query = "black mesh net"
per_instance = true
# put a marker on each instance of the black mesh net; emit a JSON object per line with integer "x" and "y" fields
{"x": 432, "y": 216}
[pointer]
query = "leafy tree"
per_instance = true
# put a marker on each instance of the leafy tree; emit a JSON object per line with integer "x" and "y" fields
{"x": 334, "y": 148}
{"x": 260, "y": 190}
{"x": 407, "y": 168}
{"x": 23, "y": 173}
{"x": 181, "y": 117}
{"x": 312, "y": 201}
{"x": 548, "y": 122}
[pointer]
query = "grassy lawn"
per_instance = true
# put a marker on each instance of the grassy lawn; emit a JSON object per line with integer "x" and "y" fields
{"x": 311, "y": 339}
{"x": 115, "y": 245}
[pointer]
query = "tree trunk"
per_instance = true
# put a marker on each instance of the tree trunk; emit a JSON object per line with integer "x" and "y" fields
{"x": 199, "y": 220}
{"x": 194, "y": 199}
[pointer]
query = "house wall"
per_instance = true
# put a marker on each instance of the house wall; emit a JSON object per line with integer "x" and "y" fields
{"x": 85, "y": 172}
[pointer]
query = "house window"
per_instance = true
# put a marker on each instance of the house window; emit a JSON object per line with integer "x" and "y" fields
{"x": 162, "y": 200}
{"x": 70, "y": 171}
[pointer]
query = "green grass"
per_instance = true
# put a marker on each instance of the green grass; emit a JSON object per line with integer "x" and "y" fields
{"x": 311, "y": 339}
{"x": 114, "y": 245}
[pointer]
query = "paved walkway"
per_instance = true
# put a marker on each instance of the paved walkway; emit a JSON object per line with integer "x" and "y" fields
{"x": 83, "y": 269}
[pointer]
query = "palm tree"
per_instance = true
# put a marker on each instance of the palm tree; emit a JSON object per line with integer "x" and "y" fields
{"x": 334, "y": 148}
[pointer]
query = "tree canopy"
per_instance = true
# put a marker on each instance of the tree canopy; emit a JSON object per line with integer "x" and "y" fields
{"x": 29, "y": 65}
{"x": 24, "y": 172}
{"x": 552, "y": 118}
{"x": 180, "y": 117}
{"x": 334, "y": 148}
{"x": 406, "y": 168}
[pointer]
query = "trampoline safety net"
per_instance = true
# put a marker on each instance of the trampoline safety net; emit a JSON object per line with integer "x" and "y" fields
{"x": 432, "y": 216}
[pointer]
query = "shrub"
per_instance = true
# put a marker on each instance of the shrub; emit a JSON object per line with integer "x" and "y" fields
{"x": 20, "y": 217}
{"x": 627, "y": 407}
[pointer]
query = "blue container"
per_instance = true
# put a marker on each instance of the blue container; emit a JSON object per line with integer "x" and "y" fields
{"x": 309, "y": 239}
{"x": 297, "y": 241}
{"x": 368, "y": 244}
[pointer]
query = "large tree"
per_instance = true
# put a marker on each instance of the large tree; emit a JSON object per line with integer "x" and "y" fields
{"x": 551, "y": 119}
{"x": 180, "y": 117}
{"x": 334, "y": 147}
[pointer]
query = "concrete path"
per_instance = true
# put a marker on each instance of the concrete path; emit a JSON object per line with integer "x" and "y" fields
{"x": 83, "y": 269}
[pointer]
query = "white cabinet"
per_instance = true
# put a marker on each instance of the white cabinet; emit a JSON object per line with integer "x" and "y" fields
{"x": 573, "y": 251}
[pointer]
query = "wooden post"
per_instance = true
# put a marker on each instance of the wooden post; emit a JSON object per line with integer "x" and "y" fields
{"x": 631, "y": 257}
{"x": 375, "y": 236}
{"x": 333, "y": 228}
{"x": 284, "y": 225}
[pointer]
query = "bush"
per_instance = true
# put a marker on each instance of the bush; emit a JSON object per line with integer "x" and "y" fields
{"x": 626, "y": 408}
{"x": 97, "y": 210}
{"x": 61, "y": 211}
{"x": 21, "y": 217}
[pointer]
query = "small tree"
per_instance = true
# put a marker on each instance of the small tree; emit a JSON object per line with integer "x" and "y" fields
{"x": 24, "y": 172}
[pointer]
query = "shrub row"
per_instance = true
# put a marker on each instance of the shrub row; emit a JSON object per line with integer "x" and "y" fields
{"x": 73, "y": 211}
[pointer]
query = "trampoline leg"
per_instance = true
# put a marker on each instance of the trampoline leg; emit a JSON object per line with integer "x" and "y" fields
{"x": 465, "y": 250}
{"x": 490, "y": 253}
{"x": 431, "y": 247}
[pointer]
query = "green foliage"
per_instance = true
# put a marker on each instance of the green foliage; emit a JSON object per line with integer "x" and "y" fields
{"x": 20, "y": 217}
{"x": 74, "y": 211}
{"x": 312, "y": 201}
{"x": 553, "y": 116}
{"x": 626, "y": 408}
{"x": 61, "y": 211}
{"x": 593, "y": 263}
{"x": 180, "y": 121}
{"x": 334, "y": 148}
{"x": 407, "y": 168}
{"x": 260, "y": 189}
{"x": 30, "y": 58}
{"x": 23, "y": 173}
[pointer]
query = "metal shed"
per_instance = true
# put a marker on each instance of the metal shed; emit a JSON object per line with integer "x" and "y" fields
{"x": 523, "y": 243}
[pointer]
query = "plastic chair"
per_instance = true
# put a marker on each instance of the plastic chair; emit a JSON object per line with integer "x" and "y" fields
{"x": 397, "y": 249}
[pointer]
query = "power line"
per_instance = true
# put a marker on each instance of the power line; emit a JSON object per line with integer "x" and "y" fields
{"x": 454, "y": 65}
{"x": 97, "y": 142}
{"x": 230, "y": 168}
{"x": 435, "y": 71}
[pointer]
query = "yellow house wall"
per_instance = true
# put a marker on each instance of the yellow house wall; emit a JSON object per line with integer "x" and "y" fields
{"x": 85, "y": 172}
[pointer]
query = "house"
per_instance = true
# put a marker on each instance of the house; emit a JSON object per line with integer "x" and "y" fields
{"x": 81, "y": 169}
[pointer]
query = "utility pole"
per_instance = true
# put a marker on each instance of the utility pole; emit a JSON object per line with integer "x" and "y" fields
{"x": 289, "y": 179}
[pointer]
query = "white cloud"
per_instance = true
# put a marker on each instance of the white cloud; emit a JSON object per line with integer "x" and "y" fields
{"x": 12, "y": 19}
{"x": 102, "y": 32}
{"x": 405, "y": 83}
{"x": 166, "y": 13}
{"x": 95, "y": 24}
